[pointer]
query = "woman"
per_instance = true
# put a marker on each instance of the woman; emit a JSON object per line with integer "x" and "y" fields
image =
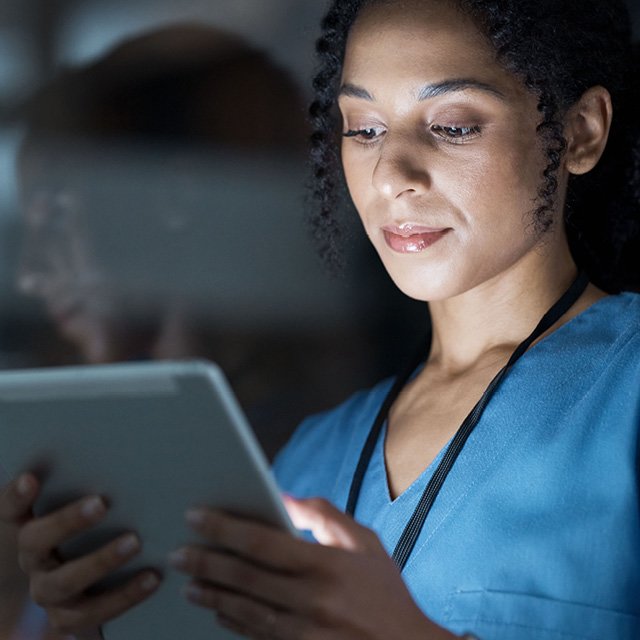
{"x": 467, "y": 130}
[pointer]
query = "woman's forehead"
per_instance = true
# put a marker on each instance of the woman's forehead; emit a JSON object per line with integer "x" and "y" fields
{"x": 399, "y": 12}
{"x": 425, "y": 28}
{"x": 420, "y": 43}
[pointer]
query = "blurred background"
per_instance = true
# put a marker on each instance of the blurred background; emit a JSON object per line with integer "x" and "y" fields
{"x": 152, "y": 206}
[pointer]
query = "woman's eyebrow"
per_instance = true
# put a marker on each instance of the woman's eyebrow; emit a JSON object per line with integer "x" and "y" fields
{"x": 428, "y": 91}
{"x": 453, "y": 86}
{"x": 354, "y": 91}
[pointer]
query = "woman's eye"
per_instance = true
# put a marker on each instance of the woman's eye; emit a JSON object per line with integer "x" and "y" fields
{"x": 367, "y": 134}
{"x": 456, "y": 133}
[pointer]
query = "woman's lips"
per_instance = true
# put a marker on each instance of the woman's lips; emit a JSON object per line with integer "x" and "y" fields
{"x": 409, "y": 238}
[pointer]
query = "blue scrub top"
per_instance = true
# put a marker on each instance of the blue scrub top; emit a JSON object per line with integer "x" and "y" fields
{"x": 536, "y": 532}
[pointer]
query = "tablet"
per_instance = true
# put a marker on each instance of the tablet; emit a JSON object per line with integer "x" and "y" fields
{"x": 154, "y": 439}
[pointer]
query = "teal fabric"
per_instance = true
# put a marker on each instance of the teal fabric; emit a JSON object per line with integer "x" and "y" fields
{"x": 536, "y": 532}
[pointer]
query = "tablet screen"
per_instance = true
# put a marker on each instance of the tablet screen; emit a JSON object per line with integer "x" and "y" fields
{"x": 154, "y": 439}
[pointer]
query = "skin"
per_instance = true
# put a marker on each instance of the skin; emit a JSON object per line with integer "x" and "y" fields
{"x": 488, "y": 281}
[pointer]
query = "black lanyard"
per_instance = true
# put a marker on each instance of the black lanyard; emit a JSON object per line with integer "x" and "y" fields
{"x": 412, "y": 530}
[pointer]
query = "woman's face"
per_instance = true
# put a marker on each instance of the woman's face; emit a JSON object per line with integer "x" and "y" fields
{"x": 441, "y": 154}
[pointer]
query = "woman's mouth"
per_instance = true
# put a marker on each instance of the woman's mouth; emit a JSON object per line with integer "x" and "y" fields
{"x": 410, "y": 238}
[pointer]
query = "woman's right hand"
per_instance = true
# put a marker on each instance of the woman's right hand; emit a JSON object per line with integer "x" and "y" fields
{"x": 60, "y": 587}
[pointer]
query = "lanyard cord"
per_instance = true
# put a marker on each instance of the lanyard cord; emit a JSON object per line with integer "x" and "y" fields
{"x": 412, "y": 530}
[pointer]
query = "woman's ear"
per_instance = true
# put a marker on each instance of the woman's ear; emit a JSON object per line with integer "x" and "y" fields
{"x": 587, "y": 130}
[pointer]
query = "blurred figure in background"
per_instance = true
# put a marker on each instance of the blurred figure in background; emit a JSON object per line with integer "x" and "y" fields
{"x": 114, "y": 181}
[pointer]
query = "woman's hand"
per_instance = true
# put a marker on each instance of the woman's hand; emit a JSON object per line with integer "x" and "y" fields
{"x": 59, "y": 587}
{"x": 265, "y": 584}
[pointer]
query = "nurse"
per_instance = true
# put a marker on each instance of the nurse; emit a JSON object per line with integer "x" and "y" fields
{"x": 491, "y": 491}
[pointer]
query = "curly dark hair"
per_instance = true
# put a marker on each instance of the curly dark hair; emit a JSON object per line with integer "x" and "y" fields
{"x": 559, "y": 49}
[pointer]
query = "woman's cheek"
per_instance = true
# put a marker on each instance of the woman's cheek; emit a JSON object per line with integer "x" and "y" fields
{"x": 358, "y": 178}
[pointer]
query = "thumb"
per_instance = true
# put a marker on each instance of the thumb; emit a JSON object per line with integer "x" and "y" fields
{"x": 330, "y": 526}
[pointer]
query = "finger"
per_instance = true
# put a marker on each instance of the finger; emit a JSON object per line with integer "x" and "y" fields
{"x": 17, "y": 498}
{"x": 39, "y": 537}
{"x": 94, "y": 611}
{"x": 261, "y": 543}
{"x": 330, "y": 526}
{"x": 71, "y": 579}
{"x": 234, "y": 573}
{"x": 250, "y": 617}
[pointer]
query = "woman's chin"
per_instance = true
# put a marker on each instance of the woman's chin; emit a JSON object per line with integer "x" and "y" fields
{"x": 425, "y": 284}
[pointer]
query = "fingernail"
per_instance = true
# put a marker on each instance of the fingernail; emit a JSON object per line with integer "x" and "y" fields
{"x": 24, "y": 486}
{"x": 93, "y": 507}
{"x": 150, "y": 582}
{"x": 178, "y": 559}
{"x": 195, "y": 516}
{"x": 128, "y": 544}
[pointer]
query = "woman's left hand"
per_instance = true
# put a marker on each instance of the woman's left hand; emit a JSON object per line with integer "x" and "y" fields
{"x": 262, "y": 583}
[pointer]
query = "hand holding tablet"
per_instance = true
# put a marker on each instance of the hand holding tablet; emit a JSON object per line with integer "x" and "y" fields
{"x": 153, "y": 440}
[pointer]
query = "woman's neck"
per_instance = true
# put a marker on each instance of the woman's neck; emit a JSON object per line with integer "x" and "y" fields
{"x": 494, "y": 317}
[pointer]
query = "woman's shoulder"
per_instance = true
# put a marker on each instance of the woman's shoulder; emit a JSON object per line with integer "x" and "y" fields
{"x": 591, "y": 363}
{"x": 325, "y": 439}
{"x": 612, "y": 324}
{"x": 625, "y": 306}
{"x": 600, "y": 344}
{"x": 618, "y": 310}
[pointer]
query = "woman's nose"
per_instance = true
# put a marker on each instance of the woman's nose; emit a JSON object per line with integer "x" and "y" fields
{"x": 400, "y": 171}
